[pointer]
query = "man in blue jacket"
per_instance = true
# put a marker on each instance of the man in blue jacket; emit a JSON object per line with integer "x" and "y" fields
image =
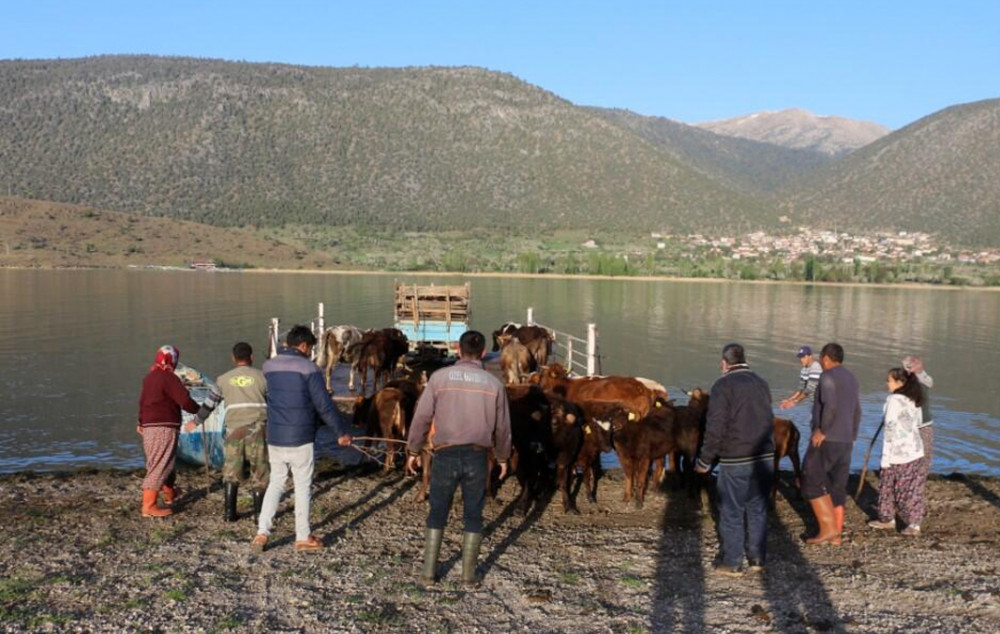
{"x": 296, "y": 396}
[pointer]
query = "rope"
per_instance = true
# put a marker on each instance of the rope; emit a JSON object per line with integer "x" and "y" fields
{"x": 374, "y": 439}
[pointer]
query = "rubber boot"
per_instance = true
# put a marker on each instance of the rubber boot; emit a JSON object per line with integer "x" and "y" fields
{"x": 838, "y": 519}
{"x": 470, "y": 558}
{"x": 432, "y": 549}
{"x": 822, "y": 508}
{"x": 230, "y": 513}
{"x": 258, "y": 502}
{"x": 169, "y": 494}
{"x": 149, "y": 506}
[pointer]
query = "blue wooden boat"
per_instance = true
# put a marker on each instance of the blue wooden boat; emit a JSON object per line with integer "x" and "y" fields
{"x": 209, "y": 439}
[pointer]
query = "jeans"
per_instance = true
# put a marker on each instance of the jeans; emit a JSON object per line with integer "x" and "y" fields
{"x": 743, "y": 494}
{"x": 463, "y": 465}
{"x": 298, "y": 460}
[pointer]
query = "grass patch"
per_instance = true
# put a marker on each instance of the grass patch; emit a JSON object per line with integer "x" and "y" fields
{"x": 16, "y": 589}
{"x": 379, "y": 615}
{"x": 569, "y": 578}
{"x": 632, "y": 581}
{"x": 229, "y": 622}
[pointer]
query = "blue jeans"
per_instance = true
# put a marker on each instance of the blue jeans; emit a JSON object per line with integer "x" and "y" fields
{"x": 743, "y": 494}
{"x": 465, "y": 466}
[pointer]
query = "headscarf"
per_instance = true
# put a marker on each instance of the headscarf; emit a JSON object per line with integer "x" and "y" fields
{"x": 913, "y": 364}
{"x": 166, "y": 359}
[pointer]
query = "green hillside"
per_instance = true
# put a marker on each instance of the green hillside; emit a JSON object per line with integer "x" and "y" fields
{"x": 938, "y": 174}
{"x": 265, "y": 144}
{"x": 752, "y": 167}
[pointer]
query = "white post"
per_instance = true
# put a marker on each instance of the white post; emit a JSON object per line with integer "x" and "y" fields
{"x": 531, "y": 316}
{"x": 569, "y": 353}
{"x": 320, "y": 320}
{"x": 272, "y": 344}
{"x": 591, "y": 349}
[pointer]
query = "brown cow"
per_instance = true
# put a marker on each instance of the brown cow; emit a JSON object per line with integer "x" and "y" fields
{"x": 641, "y": 442}
{"x": 626, "y": 391}
{"x": 538, "y": 341}
{"x": 507, "y": 328}
{"x": 387, "y": 414}
{"x": 786, "y": 443}
{"x": 516, "y": 361}
{"x": 379, "y": 351}
{"x": 600, "y": 419}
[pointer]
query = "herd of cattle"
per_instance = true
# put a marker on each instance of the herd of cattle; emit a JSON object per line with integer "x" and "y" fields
{"x": 556, "y": 420}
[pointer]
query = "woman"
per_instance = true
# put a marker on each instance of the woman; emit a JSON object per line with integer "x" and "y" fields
{"x": 900, "y": 482}
{"x": 163, "y": 396}
{"x": 916, "y": 366}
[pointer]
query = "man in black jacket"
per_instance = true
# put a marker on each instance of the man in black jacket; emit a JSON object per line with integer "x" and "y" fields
{"x": 740, "y": 436}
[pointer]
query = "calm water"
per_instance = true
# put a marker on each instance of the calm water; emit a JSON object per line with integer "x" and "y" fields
{"x": 74, "y": 345}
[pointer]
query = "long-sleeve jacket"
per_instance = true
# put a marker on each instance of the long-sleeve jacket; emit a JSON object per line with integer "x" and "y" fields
{"x": 162, "y": 398}
{"x": 296, "y": 395}
{"x": 740, "y": 427}
{"x": 837, "y": 406}
{"x": 244, "y": 389}
{"x": 467, "y": 405}
{"x": 901, "y": 443}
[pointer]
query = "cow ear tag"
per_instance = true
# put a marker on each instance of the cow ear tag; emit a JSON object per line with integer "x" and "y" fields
{"x": 659, "y": 404}
{"x": 586, "y": 430}
{"x": 631, "y": 415}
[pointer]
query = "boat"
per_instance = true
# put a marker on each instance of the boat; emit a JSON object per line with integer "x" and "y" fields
{"x": 208, "y": 439}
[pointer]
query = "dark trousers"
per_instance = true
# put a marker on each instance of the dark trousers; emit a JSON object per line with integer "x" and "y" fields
{"x": 825, "y": 471}
{"x": 465, "y": 466}
{"x": 743, "y": 493}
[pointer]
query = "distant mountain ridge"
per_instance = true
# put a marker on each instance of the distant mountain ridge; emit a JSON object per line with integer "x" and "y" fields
{"x": 417, "y": 148}
{"x": 800, "y": 129}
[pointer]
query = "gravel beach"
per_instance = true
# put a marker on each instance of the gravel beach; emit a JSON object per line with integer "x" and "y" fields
{"x": 77, "y": 557}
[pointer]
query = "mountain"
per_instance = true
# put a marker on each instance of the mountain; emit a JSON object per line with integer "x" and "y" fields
{"x": 801, "y": 129}
{"x": 267, "y": 144}
{"x": 37, "y": 233}
{"x": 938, "y": 174}
{"x": 752, "y": 167}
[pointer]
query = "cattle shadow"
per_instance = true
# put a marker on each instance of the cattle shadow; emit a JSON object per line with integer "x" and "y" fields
{"x": 679, "y": 591}
{"x": 976, "y": 487}
{"x": 798, "y": 599}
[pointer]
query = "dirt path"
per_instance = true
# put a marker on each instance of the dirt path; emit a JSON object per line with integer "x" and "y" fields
{"x": 76, "y": 556}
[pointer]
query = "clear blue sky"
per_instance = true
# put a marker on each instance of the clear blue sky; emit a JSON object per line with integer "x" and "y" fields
{"x": 890, "y": 62}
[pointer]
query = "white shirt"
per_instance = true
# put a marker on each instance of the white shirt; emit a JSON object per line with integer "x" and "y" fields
{"x": 902, "y": 442}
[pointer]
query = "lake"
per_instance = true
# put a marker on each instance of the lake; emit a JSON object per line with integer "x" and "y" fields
{"x": 75, "y": 344}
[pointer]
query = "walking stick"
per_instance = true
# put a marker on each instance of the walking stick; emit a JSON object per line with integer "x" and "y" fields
{"x": 868, "y": 454}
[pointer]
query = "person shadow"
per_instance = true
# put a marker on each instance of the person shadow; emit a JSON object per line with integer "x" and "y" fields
{"x": 679, "y": 607}
{"x": 975, "y": 486}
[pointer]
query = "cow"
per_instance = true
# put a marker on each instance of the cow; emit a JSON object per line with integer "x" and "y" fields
{"x": 387, "y": 415}
{"x": 538, "y": 341}
{"x": 626, "y": 391}
{"x": 507, "y": 328}
{"x": 334, "y": 346}
{"x": 516, "y": 361}
{"x": 379, "y": 351}
{"x": 600, "y": 418}
{"x": 689, "y": 431}
{"x": 786, "y": 443}
{"x": 640, "y": 442}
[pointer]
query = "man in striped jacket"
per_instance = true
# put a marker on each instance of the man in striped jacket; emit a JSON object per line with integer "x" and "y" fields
{"x": 739, "y": 435}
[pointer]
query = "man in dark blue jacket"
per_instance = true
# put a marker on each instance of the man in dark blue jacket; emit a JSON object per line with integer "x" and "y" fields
{"x": 740, "y": 435}
{"x": 296, "y": 396}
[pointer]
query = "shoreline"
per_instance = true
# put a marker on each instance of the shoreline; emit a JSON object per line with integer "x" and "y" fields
{"x": 77, "y": 556}
{"x": 531, "y": 276}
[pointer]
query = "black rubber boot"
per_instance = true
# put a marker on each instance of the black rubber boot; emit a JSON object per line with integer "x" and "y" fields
{"x": 258, "y": 502}
{"x": 432, "y": 549}
{"x": 231, "y": 489}
{"x": 470, "y": 559}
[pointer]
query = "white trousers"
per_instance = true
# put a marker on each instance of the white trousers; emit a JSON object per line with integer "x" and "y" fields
{"x": 298, "y": 460}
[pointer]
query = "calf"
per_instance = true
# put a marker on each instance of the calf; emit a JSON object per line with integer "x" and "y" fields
{"x": 516, "y": 361}
{"x": 600, "y": 418}
{"x": 335, "y": 343}
{"x": 379, "y": 351}
{"x": 507, "y": 328}
{"x": 387, "y": 415}
{"x": 786, "y": 443}
{"x": 626, "y": 391}
{"x": 538, "y": 341}
{"x": 641, "y": 442}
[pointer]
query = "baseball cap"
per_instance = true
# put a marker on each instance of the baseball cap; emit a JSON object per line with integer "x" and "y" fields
{"x": 804, "y": 351}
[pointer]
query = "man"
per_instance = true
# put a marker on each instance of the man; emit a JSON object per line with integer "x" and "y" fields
{"x": 469, "y": 410}
{"x": 836, "y": 417}
{"x": 739, "y": 434}
{"x": 244, "y": 390}
{"x": 809, "y": 377}
{"x": 296, "y": 395}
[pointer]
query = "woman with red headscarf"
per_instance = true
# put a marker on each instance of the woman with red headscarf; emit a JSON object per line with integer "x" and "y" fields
{"x": 160, "y": 403}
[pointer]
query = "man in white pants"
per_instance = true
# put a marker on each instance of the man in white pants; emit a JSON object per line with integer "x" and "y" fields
{"x": 296, "y": 396}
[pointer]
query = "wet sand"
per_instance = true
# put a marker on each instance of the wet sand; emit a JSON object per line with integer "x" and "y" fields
{"x": 77, "y": 556}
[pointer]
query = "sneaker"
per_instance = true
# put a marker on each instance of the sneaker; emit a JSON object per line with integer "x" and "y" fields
{"x": 309, "y": 544}
{"x": 755, "y": 564}
{"x": 729, "y": 571}
{"x": 883, "y": 526}
{"x": 912, "y": 531}
{"x": 259, "y": 543}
